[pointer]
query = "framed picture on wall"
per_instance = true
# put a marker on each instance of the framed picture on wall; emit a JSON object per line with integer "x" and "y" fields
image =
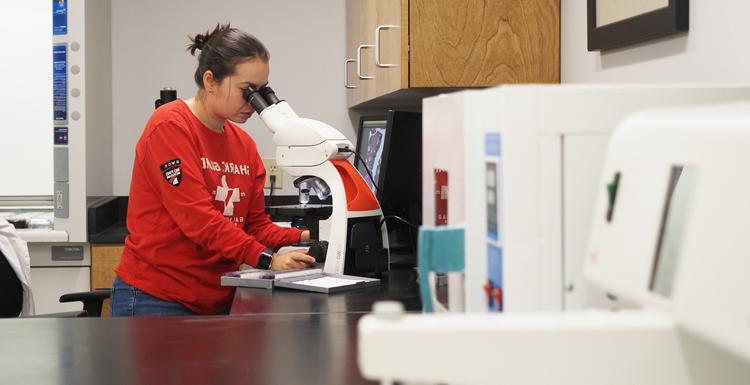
{"x": 618, "y": 23}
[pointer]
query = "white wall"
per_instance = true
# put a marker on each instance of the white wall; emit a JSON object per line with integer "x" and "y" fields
{"x": 714, "y": 50}
{"x": 306, "y": 40}
{"x": 26, "y": 100}
{"x": 99, "y": 177}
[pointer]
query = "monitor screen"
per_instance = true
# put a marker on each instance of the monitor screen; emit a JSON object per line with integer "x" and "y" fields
{"x": 370, "y": 145}
{"x": 390, "y": 145}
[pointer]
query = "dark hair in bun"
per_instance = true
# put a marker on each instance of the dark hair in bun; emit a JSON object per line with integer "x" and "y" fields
{"x": 222, "y": 48}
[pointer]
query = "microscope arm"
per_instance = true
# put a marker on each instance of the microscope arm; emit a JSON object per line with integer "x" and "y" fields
{"x": 299, "y": 142}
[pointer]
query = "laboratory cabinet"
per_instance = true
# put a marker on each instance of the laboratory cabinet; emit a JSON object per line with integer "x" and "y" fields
{"x": 397, "y": 48}
{"x": 57, "y": 268}
{"x": 104, "y": 258}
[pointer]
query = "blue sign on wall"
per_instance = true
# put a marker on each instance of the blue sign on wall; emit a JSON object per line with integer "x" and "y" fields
{"x": 59, "y": 17}
{"x": 60, "y": 82}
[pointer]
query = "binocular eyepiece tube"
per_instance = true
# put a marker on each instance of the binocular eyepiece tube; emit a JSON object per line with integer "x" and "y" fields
{"x": 260, "y": 99}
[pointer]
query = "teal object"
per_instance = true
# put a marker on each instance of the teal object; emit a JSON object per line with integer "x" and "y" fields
{"x": 440, "y": 249}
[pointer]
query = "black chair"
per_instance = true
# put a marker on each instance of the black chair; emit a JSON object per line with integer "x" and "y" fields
{"x": 11, "y": 296}
{"x": 11, "y": 299}
{"x": 92, "y": 301}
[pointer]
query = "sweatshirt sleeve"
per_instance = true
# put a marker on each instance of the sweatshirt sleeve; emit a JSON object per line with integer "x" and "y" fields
{"x": 172, "y": 166}
{"x": 259, "y": 223}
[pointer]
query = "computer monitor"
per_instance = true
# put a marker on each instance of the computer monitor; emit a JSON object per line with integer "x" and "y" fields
{"x": 390, "y": 145}
{"x": 370, "y": 145}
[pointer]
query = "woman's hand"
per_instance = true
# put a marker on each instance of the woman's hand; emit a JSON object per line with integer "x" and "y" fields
{"x": 291, "y": 260}
{"x": 305, "y": 236}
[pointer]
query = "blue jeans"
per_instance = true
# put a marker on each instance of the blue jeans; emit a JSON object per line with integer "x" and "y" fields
{"x": 127, "y": 301}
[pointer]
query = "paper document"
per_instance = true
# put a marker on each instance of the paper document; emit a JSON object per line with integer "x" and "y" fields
{"x": 327, "y": 282}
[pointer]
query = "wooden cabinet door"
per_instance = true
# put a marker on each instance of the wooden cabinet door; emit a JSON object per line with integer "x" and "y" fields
{"x": 366, "y": 50}
{"x": 363, "y": 19}
{"x": 353, "y": 17}
{"x": 104, "y": 258}
{"x": 386, "y": 34}
{"x": 477, "y": 43}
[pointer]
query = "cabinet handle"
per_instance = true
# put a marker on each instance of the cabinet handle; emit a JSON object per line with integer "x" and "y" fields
{"x": 377, "y": 45}
{"x": 346, "y": 73}
{"x": 359, "y": 61}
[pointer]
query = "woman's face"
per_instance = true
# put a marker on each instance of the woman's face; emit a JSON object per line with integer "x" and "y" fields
{"x": 226, "y": 99}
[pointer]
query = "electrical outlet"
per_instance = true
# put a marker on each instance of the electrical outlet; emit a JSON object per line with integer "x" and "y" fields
{"x": 272, "y": 169}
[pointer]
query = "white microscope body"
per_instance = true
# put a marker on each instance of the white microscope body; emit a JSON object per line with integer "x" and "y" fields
{"x": 307, "y": 147}
{"x": 670, "y": 233}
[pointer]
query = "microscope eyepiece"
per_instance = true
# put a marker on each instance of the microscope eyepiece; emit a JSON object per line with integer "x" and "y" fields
{"x": 261, "y": 98}
{"x": 247, "y": 93}
{"x": 269, "y": 94}
{"x": 255, "y": 99}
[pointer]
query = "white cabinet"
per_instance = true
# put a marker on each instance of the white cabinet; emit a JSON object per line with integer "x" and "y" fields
{"x": 57, "y": 269}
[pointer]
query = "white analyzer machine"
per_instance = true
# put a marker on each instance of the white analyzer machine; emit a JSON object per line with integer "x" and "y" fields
{"x": 669, "y": 235}
{"x": 520, "y": 164}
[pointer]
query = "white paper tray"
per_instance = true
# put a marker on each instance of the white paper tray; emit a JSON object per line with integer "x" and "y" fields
{"x": 326, "y": 283}
{"x": 314, "y": 280}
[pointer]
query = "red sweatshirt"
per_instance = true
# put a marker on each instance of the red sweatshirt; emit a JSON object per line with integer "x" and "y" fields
{"x": 195, "y": 210}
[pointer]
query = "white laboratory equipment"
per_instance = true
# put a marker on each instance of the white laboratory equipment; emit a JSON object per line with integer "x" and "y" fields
{"x": 316, "y": 154}
{"x": 669, "y": 235}
{"x": 519, "y": 166}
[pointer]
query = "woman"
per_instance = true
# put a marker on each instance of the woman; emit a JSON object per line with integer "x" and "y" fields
{"x": 196, "y": 206}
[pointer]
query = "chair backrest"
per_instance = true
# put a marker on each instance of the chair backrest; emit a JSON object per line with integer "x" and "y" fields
{"x": 11, "y": 290}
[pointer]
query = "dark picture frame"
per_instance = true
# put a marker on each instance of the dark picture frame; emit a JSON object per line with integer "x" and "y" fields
{"x": 672, "y": 19}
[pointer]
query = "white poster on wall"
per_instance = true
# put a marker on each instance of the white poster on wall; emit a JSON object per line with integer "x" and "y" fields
{"x": 26, "y": 123}
{"x": 611, "y": 11}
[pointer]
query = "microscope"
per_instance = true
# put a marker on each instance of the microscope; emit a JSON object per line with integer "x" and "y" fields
{"x": 353, "y": 240}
